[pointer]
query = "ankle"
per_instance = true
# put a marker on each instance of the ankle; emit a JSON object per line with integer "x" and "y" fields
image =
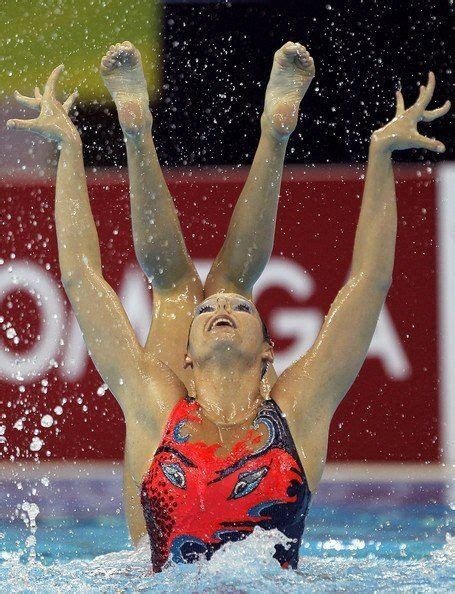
{"x": 268, "y": 130}
{"x": 137, "y": 133}
{"x": 137, "y": 138}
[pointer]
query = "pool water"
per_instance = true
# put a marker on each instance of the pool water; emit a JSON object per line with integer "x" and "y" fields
{"x": 345, "y": 549}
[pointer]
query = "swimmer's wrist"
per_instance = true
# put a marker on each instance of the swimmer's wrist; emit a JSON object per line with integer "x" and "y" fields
{"x": 380, "y": 144}
{"x": 71, "y": 140}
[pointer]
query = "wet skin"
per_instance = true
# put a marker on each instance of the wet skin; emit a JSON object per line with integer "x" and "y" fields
{"x": 158, "y": 240}
{"x": 223, "y": 365}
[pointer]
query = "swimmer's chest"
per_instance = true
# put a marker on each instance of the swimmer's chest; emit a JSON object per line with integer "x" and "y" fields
{"x": 198, "y": 462}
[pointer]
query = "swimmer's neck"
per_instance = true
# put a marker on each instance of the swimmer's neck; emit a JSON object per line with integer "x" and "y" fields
{"x": 228, "y": 395}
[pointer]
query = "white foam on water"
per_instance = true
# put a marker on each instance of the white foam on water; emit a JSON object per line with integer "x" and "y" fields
{"x": 241, "y": 567}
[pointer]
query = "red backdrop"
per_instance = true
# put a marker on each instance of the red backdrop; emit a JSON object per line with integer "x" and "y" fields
{"x": 390, "y": 413}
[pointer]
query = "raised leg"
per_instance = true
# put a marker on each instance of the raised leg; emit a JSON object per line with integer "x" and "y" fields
{"x": 249, "y": 241}
{"x": 158, "y": 239}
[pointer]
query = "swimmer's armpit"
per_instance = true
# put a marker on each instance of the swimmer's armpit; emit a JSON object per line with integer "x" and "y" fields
{"x": 138, "y": 381}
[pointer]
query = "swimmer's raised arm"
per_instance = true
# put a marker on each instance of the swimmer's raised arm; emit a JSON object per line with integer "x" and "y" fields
{"x": 321, "y": 378}
{"x": 249, "y": 242}
{"x": 54, "y": 123}
{"x": 107, "y": 331}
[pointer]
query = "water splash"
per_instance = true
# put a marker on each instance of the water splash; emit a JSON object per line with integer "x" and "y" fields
{"x": 238, "y": 568}
{"x": 29, "y": 512}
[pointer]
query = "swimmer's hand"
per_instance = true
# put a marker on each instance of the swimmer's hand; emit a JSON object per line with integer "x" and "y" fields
{"x": 53, "y": 121}
{"x": 401, "y": 132}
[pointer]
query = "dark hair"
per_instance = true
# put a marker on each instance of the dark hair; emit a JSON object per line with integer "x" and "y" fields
{"x": 265, "y": 334}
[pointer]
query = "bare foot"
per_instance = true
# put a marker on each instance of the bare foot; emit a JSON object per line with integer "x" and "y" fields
{"x": 122, "y": 73}
{"x": 292, "y": 73}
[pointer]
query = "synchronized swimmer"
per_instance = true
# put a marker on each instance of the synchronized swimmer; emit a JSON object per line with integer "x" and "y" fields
{"x": 216, "y": 444}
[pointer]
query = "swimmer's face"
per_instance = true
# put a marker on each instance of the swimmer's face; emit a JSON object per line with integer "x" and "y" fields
{"x": 227, "y": 321}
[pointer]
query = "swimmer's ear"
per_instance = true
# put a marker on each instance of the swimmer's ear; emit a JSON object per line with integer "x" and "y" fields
{"x": 268, "y": 354}
{"x": 188, "y": 361}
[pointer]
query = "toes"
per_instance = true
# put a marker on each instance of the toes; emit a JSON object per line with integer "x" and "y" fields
{"x": 122, "y": 49}
{"x": 121, "y": 54}
{"x": 109, "y": 63}
{"x": 304, "y": 58}
{"x": 293, "y": 47}
{"x": 303, "y": 53}
{"x": 292, "y": 50}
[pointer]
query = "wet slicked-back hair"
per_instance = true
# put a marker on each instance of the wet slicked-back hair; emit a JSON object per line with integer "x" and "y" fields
{"x": 265, "y": 334}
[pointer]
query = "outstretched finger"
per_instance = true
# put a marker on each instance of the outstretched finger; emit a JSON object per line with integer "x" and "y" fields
{"x": 400, "y": 103}
{"x": 49, "y": 88}
{"x": 70, "y": 101}
{"x": 21, "y": 124}
{"x": 429, "y": 143}
{"x": 32, "y": 102}
{"x": 426, "y": 95}
{"x": 431, "y": 114}
{"x": 38, "y": 93}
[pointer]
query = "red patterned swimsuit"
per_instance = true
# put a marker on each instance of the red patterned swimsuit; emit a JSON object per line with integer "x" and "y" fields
{"x": 195, "y": 501}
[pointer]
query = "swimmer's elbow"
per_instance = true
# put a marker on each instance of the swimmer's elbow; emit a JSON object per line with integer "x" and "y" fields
{"x": 373, "y": 281}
